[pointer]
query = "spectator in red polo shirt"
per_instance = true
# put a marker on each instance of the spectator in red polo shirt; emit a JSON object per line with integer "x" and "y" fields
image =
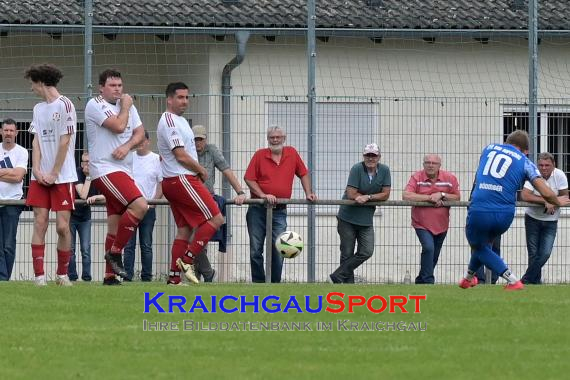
{"x": 431, "y": 223}
{"x": 270, "y": 176}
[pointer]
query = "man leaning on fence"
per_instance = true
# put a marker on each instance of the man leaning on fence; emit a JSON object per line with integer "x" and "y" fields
{"x": 80, "y": 223}
{"x": 210, "y": 157}
{"x": 433, "y": 185}
{"x": 270, "y": 175}
{"x": 368, "y": 181}
{"x": 13, "y": 167}
{"x": 541, "y": 222}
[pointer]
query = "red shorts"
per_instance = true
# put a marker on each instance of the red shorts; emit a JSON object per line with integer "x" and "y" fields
{"x": 57, "y": 197}
{"x": 190, "y": 201}
{"x": 119, "y": 190}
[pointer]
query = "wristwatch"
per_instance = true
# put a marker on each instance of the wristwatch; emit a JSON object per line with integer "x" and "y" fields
{"x": 241, "y": 192}
{"x": 443, "y": 195}
{"x": 369, "y": 197}
{"x": 88, "y": 178}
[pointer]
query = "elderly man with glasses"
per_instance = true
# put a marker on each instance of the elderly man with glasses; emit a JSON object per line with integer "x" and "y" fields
{"x": 368, "y": 181}
{"x": 270, "y": 175}
{"x": 431, "y": 223}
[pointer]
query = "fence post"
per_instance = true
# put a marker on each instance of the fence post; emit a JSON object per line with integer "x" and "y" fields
{"x": 268, "y": 241}
{"x": 533, "y": 76}
{"x": 488, "y": 276}
{"x": 88, "y": 57}
{"x": 312, "y": 123}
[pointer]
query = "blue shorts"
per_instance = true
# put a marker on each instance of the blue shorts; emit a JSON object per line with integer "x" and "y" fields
{"x": 483, "y": 228}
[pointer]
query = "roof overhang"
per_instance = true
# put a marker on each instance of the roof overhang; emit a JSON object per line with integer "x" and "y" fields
{"x": 338, "y": 32}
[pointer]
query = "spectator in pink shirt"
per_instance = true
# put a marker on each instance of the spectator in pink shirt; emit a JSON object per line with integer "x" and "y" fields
{"x": 431, "y": 223}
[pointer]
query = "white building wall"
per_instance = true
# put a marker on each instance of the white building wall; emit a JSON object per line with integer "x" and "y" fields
{"x": 454, "y": 112}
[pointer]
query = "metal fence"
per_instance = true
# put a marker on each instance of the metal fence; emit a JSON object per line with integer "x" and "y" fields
{"x": 396, "y": 250}
{"x": 405, "y": 129}
{"x": 413, "y": 92}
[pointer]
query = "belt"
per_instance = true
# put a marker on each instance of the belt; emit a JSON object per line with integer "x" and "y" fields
{"x": 277, "y": 207}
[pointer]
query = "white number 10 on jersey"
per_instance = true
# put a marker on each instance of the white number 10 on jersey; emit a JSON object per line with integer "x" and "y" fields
{"x": 497, "y": 164}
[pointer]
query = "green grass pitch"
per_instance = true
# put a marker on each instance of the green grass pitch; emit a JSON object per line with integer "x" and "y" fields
{"x": 93, "y": 332}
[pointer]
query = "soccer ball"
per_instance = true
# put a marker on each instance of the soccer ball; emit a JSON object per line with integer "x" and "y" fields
{"x": 289, "y": 244}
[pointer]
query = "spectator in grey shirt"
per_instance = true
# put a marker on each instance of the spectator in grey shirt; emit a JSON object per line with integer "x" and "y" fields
{"x": 210, "y": 157}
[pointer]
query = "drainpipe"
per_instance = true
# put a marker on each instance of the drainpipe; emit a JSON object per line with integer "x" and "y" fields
{"x": 241, "y": 42}
{"x": 88, "y": 59}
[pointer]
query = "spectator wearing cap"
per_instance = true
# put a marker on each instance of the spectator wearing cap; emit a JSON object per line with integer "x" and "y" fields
{"x": 270, "y": 175}
{"x": 147, "y": 173}
{"x": 368, "y": 181}
{"x": 435, "y": 186}
{"x": 211, "y": 158}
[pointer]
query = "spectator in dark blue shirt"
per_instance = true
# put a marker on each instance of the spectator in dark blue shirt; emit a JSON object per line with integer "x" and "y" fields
{"x": 80, "y": 221}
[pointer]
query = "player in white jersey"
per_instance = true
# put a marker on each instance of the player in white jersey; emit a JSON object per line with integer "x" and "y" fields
{"x": 190, "y": 201}
{"x": 54, "y": 125}
{"x": 114, "y": 128}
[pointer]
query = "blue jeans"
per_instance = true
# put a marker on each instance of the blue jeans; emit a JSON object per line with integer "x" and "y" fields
{"x": 9, "y": 218}
{"x": 255, "y": 218}
{"x": 540, "y": 236}
{"x": 431, "y": 247}
{"x": 203, "y": 267}
{"x": 145, "y": 228}
{"x": 350, "y": 235}
{"x": 84, "y": 230}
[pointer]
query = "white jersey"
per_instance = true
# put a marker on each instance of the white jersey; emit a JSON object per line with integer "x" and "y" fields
{"x": 174, "y": 131}
{"x": 49, "y": 123}
{"x": 103, "y": 142}
{"x": 557, "y": 181}
{"x": 147, "y": 173}
{"x": 17, "y": 157}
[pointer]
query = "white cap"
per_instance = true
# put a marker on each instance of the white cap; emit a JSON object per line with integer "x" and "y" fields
{"x": 371, "y": 149}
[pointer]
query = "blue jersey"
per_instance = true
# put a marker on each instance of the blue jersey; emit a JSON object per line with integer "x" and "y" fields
{"x": 501, "y": 173}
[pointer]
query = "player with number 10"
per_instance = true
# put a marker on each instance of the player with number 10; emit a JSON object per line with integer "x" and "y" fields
{"x": 503, "y": 168}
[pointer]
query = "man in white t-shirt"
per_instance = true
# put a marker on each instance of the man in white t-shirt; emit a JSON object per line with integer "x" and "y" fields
{"x": 114, "y": 128}
{"x": 148, "y": 177}
{"x": 541, "y": 221}
{"x": 192, "y": 205}
{"x": 13, "y": 167}
{"x": 54, "y": 125}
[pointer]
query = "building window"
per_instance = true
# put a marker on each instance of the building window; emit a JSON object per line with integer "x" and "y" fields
{"x": 553, "y": 131}
{"x": 342, "y": 131}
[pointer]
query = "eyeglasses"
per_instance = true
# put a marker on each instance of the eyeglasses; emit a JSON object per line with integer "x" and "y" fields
{"x": 199, "y": 139}
{"x": 371, "y": 156}
{"x": 431, "y": 163}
